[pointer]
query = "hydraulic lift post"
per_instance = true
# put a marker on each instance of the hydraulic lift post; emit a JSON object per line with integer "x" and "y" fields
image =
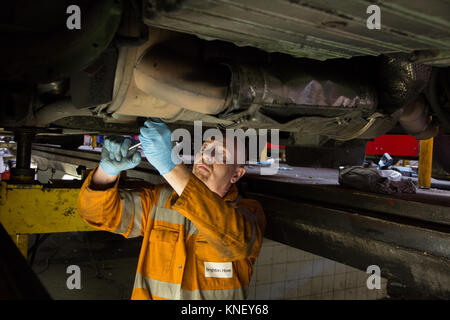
{"x": 425, "y": 163}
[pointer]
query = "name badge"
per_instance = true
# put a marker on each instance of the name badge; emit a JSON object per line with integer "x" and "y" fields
{"x": 218, "y": 270}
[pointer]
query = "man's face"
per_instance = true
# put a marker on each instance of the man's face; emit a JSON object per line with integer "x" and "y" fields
{"x": 211, "y": 166}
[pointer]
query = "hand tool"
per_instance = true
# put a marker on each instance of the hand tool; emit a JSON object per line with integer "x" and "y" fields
{"x": 135, "y": 146}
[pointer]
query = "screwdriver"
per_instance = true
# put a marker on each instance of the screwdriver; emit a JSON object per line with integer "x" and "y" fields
{"x": 135, "y": 146}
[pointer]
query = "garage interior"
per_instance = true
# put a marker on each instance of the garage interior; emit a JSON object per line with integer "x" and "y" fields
{"x": 314, "y": 247}
{"x": 311, "y": 70}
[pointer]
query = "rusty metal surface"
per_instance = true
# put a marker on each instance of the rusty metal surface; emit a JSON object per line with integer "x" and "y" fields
{"x": 312, "y": 84}
{"x": 318, "y": 29}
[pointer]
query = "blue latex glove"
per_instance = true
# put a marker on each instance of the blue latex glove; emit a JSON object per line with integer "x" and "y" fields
{"x": 116, "y": 157}
{"x": 157, "y": 145}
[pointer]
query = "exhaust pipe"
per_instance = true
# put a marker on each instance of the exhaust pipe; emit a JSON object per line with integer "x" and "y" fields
{"x": 183, "y": 82}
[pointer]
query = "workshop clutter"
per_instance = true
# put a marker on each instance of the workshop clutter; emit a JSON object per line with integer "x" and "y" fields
{"x": 377, "y": 180}
{"x": 7, "y": 159}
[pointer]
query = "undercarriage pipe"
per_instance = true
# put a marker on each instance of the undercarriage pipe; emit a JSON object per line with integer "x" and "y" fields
{"x": 182, "y": 81}
{"x": 22, "y": 173}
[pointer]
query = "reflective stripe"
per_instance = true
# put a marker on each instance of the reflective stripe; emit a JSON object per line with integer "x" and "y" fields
{"x": 164, "y": 214}
{"x": 131, "y": 211}
{"x": 168, "y": 290}
{"x": 224, "y": 294}
{"x": 190, "y": 227}
{"x": 137, "y": 219}
{"x": 164, "y": 195}
{"x": 161, "y": 289}
{"x": 169, "y": 215}
{"x": 252, "y": 220}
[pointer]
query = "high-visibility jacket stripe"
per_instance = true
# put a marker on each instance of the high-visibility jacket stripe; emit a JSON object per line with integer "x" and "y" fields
{"x": 223, "y": 294}
{"x": 165, "y": 290}
{"x": 173, "y": 291}
{"x": 169, "y": 215}
{"x": 190, "y": 227}
{"x": 131, "y": 212}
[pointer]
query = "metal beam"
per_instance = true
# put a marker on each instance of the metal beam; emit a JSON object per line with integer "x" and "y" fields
{"x": 27, "y": 209}
{"x": 430, "y": 207}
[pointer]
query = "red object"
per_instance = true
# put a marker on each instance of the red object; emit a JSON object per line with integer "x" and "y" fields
{"x": 5, "y": 175}
{"x": 395, "y": 145}
{"x": 274, "y": 146}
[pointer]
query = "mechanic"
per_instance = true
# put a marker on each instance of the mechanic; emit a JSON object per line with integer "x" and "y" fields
{"x": 200, "y": 239}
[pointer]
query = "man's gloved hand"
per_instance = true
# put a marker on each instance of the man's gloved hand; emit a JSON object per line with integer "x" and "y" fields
{"x": 157, "y": 145}
{"x": 116, "y": 157}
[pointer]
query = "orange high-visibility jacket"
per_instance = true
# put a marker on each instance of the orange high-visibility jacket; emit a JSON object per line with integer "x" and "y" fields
{"x": 195, "y": 246}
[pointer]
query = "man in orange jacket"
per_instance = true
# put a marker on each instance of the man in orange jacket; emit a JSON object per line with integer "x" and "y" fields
{"x": 200, "y": 239}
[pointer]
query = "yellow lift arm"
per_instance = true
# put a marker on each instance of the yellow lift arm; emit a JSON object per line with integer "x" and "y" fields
{"x": 34, "y": 208}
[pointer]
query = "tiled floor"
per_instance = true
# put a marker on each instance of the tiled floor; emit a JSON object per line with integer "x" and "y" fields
{"x": 283, "y": 272}
{"x": 108, "y": 270}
